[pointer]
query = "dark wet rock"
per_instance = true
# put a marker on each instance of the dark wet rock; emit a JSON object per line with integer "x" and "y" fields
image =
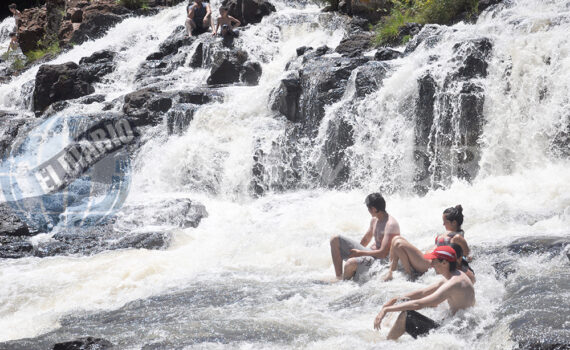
{"x": 59, "y": 82}
{"x": 250, "y": 73}
{"x": 369, "y": 77}
{"x": 538, "y": 245}
{"x": 371, "y": 10}
{"x": 176, "y": 40}
{"x": 473, "y": 54}
{"x": 485, "y": 4}
{"x": 302, "y": 50}
{"x": 87, "y": 343}
{"x": 10, "y": 125}
{"x": 94, "y": 25}
{"x": 536, "y": 306}
{"x": 198, "y": 56}
{"x": 11, "y": 224}
{"x": 386, "y": 54}
{"x": 198, "y": 96}
{"x": 171, "y": 55}
{"x": 248, "y": 11}
{"x": 451, "y": 148}
{"x": 560, "y": 145}
{"x": 286, "y": 99}
{"x": 92, "y": 99}
{"x": 320, "y": 82}
{"x": 226, "y": 67}
{"x": 355, "y": 44}
{"x": 15, "y": 247}
{"x": 146, "y": 106}
{"x": 429, "y": 35}
{"x": 93, "y": 240}
{"x": 97, "y": 65}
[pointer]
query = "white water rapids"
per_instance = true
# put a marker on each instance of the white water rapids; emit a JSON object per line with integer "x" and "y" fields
{"x": 275, "y": 249}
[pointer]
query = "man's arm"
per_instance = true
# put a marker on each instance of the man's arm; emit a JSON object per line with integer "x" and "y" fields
{"x": 433, "y": 299}
{"x": 380, "y": 253}
{"x": 238, "y": 23}
{"x": 191, "y": 12}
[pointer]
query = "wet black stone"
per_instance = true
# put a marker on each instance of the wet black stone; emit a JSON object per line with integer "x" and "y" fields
{"x": 87, "y": 343}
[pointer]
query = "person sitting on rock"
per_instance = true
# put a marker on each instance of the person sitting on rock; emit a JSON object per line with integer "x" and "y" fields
{"x": 13, "y": 46}
{"x": 199, "y": 17}
{"x": 227, "y": 23}
{"x": 456, "y": 288}
{"x": 17, "y": 15}
{"x": 383, "y": 228}
{"x": 412, "y": 258}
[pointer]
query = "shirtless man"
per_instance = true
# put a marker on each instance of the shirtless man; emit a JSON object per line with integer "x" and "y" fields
{"x": 456, "y": 288}
{"x": 359, "y": 259}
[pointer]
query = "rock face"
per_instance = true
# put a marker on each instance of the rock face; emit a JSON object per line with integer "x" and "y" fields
{"x": 11, "y": 224}
{"x": 59, "y": 82}
{"x": 386, "y": 54}
{"x": 32, "y": 28}
{"x": 529, "y": 295}
{"x": 450, "y": 148}
{"x": 313, "y": 82}
{"x": 318, "y": 83}
{"x": 148, "y": 106}
{"x": 248, "y": 11}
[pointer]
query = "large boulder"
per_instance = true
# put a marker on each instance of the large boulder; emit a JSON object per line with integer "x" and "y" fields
{"x": 372, "y": 10}
{"x": 146, "y": 106}
{"x": 355, "y": 44}
{"x": 186, "y": 103}
{"x": 93, "y": 26}
{"x": 59, "y": 82}
{"x": 226, "y": 67}
{"x": 249, "y": 11}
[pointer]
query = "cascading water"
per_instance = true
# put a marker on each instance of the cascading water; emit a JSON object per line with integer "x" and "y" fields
{"x": 250, "y": 274}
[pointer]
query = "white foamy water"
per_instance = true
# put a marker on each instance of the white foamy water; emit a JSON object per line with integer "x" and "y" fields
{"x": 275, "y": 249}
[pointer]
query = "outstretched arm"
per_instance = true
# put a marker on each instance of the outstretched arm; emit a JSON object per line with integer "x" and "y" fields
{"x": 433, "y": 299}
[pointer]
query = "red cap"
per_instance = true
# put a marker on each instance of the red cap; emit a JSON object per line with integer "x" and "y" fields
{"x": 444, "y": 252}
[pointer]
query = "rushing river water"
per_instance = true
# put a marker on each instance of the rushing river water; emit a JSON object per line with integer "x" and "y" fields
{"x": 251, "y": 274}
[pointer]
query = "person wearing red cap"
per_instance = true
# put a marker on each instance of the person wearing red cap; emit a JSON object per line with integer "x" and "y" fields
{"x": 455, "y": 288}
{"x": 412, "y": 258}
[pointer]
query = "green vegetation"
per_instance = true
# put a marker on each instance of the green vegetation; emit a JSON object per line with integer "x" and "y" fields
{"x": 133, "y": 4}
{"x": 45, "y": 47}
{"x": 18, "y": 64}
{"x": 422, "y": 12}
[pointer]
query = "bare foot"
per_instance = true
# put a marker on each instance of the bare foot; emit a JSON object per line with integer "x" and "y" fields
{"x": 387, "y": 277}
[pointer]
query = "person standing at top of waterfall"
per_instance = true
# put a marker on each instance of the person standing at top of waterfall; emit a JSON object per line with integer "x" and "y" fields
{"x": 456, "y": 288}
{"x": 383, "y": 228}
{"x": 227, "y": 23}
{"x": 199, "y": 17}
{"x": 17, "y": 15}
{"x": 412, "y": 258}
